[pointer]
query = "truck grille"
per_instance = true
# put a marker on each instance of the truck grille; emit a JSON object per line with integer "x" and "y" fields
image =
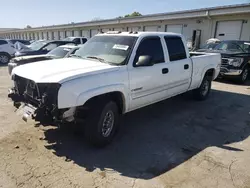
{"x": 224, "y": 62}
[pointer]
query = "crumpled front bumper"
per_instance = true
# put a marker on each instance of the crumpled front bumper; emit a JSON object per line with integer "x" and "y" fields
{"x": 40, "y": 112}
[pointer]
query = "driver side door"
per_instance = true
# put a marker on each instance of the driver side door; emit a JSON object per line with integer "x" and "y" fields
{"x": 148, "y": 83}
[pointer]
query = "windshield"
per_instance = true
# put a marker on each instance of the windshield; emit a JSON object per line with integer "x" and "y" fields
{"x": 111, "y": 49}
{"x": 59, "y": 51}
{"x": 209, "y": 46}
{"x": 37, "y": 45}
{"x": 234, "y": 46}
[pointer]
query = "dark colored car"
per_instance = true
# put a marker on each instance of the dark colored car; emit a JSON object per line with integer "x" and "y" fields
{"x": 13, "y": 41}
{"x": 235, "y": 62}
{"x": 59, "y": 52}
{"x": 41, "y": 47}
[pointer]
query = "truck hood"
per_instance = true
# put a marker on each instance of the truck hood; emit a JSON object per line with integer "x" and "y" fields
{"x": 62, "y": 70}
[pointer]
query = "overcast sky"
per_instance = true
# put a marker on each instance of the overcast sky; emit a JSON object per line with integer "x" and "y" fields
{"x": 19, "y": 13}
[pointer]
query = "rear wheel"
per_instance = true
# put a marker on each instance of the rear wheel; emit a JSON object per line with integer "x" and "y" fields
{"x": 102, "y": 123}
{"x": 4, "y": 58}
{"x": 203, "y": 91}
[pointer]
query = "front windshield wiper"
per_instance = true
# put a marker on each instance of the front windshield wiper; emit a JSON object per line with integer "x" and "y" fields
{"x": 97, "y": 58}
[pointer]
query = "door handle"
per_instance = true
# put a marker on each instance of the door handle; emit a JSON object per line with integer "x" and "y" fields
{"x": 165, "y": 71}
{"x": 186, "y": 66}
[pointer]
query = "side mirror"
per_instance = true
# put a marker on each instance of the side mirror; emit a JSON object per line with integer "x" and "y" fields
{"x": 144, "y": 61}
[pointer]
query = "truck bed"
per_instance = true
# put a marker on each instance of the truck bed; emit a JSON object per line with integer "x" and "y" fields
{"x": 201, "y": 62}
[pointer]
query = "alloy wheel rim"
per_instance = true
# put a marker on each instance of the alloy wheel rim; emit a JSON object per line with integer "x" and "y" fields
{"x": 244, "y": 75}
{"x": 3, "y": 59}
{"x": 108, "y": 123}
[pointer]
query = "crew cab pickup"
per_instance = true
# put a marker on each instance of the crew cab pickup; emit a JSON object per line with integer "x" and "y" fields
{"x": 112, "y": 74}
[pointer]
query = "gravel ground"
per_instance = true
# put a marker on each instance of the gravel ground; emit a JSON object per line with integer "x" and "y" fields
{"x": 176, "y": 143}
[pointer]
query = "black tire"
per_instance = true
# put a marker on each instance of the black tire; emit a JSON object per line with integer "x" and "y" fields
{"x": 243, "y": 76}
{"x": 100, "y": 112}
{"x": 4, "y": 58}
{"x": 203, "y": 91}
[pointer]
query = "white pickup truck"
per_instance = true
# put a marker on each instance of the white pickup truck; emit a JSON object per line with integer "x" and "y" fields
{"x": 112, "y": 74}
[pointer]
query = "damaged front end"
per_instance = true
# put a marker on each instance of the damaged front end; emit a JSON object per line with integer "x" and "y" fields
{"x": 38, "y": 100}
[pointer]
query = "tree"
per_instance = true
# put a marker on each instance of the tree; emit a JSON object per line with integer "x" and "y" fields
{"x": 28, "y": 27}
{"x": 133, "y": 14}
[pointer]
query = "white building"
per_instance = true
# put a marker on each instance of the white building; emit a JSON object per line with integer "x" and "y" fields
{"x": 225, "y": 22}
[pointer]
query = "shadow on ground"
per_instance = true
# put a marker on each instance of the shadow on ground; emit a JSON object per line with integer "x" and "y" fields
{"x": 233, "y": 81}
{"x": 157, "y": 138}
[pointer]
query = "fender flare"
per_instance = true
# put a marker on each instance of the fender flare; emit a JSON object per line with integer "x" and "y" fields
{"x": 210, "y": 66}
{"x": 85, "y": 96}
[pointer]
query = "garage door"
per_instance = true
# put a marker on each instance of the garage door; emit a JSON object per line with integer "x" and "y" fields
{"x": 105, "y": 30}
{"x": 69, "y": 33}
{"x": 56, "y": 35}
{"x": 174, "y": 28}
{"x": 62, "y": 35}
{"x": 228, "y": 30}
{"x": 94, "y": 32}
{"x": 151, "y": 28}
{"x": 120, "y": 29}
{"x": 50, "y": 37}
{"x": 40, "y": 35}
{"x": 133, "y": 29}
{"x": 85, "y": 33}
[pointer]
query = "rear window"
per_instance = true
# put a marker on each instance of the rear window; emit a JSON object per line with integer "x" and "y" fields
{"x": 176, "y": 49}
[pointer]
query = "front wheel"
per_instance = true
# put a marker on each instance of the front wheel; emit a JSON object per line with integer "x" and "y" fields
{"x": 244, "y": 75}
{"x": 102, "y": 123}
{"x": 4, "y": 58}
{"x": 203, "y": 91}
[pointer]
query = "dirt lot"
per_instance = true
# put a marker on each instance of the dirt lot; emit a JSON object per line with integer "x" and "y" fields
{"x": 175, "y": 143}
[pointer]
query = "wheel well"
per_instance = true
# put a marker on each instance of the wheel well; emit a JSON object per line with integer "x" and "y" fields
{"x": 210, "y": 73}
{"x": 116, "y": 96}
{"x": 5, "y": 53}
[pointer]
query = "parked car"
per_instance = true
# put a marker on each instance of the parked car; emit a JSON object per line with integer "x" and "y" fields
{"x": 59, "y": 52}
{"x": 112, "y": 74}
{"x": 7, "y": 51}
{"x": 235, "y": 59}
{"x": 77, "y": 40}
{"x": 13, "y": 41}
{"x": 41, "y": 47}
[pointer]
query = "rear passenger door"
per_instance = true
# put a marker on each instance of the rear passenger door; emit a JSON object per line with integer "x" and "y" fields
{"x": 179, "y": 65}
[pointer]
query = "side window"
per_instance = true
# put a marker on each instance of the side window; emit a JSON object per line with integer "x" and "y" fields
{"x": 50, "y": 46}
{"x": 77, "y": 41}
{"x": 3, "y": 42}
{"x": 84, "y": 40}
{"x": 151, "y": 47}
{"x": 176, "y": 49}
